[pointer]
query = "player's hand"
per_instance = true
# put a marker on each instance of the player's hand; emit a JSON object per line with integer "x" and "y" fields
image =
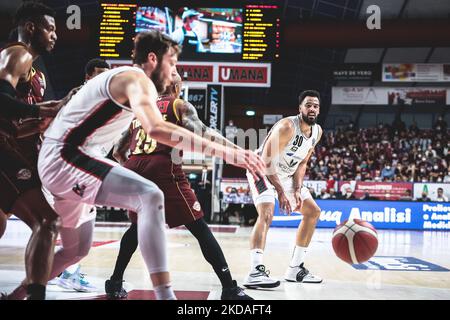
{"x": 298, "y": 201}
{"x": 285, "y": 206}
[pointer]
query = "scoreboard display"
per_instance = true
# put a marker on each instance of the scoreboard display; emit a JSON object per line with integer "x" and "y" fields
{"x": 250, "y": 33}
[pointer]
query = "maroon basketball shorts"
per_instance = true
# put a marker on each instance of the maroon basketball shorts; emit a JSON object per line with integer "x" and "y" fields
{"x": 180, "y": 201}
{"x": 17, "y": 174}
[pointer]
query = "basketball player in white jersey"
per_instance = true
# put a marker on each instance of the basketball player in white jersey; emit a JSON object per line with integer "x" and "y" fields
{"x": 73, "y": 167}
{"x": 286, "y": 151}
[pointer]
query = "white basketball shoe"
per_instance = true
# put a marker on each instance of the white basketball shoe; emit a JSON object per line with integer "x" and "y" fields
{"x": 301, "y": 274}
{"x": 259, "y": 278}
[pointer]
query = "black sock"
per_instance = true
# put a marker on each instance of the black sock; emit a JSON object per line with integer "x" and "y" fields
{"x": 211, "y": 251}
{"x": 128, "y": 246}
{"x": 35, "y": 292}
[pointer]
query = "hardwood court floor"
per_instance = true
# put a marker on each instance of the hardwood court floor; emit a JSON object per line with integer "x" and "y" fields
{"x": 408, "y": 265}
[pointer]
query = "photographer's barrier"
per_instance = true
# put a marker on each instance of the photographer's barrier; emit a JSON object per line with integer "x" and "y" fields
{"x": 381, "y": 214}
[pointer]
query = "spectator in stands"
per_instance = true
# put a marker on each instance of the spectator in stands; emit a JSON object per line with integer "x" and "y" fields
{"x": 414, "y": 128}
{"x": 234, "y": 207}
{"x": 323, "y": 194}
{"x": 387, "y": 173}
{"x": 424, "y": 197}
{"x": 351, "y": 127}
{"x": 440, "y": 196}
{"x": 231, "y": 130}
{"x": 348, "y": 195}
{"x": 411, "y": 153}
{"x": 323, "y": 169}
{"x": 447, "y": 176}
{"x": 440, "y": 125}
{"x": 333, "y": 195}
{"x": 367, "y": 196}
{"x": 446, "y": 151}
{"x": 407, "y": 196}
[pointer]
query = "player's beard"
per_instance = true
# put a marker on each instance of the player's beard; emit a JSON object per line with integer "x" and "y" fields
{"x": 158, "y": 79}
{"x": 308, "y": 120}
{"x": 37, "y": 43}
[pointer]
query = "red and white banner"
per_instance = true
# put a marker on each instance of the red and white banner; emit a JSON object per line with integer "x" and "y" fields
{"x": 243, "y": 74}
{"x": 389, "y": 96}
{"x": 415, "y": 72}
{"x": 379, "y": 190}
{"x": 229, "y": 74}
{"x": 195, "y": 72}
{"x": 417, "y": 96}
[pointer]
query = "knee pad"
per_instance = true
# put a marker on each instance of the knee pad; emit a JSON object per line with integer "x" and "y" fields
{"x": 156, "y": 197}
{"x": 151, "y": 196}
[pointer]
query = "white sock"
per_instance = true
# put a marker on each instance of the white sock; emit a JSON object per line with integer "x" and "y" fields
{"x": 164, "y": 292}
{"x": 299, "y": 256}
{"x": 72, "y": 268}
{"x": 256, "y": 258}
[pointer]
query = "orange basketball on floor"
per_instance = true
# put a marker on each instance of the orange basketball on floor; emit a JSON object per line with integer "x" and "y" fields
{"x": 355, "y": 241}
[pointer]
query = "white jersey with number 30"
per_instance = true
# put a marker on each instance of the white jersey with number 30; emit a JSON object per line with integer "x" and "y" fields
{"x": 288, "y": 159}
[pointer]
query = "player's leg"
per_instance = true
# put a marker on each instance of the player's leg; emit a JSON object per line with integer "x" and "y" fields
{"x": 75, "y": 245}
{"x": 311, "y": 212}
{"x": 213, "y": 254}
{"x": 128, "y": 245}
{"x": 36, "y": 212}
{"x": 264, "y": 200}
{"x": 125, "y": 189}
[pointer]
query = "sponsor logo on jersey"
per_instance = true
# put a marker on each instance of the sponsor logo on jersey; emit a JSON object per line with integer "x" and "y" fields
{"x": 163, "y": 105}
{"x": 79, "y": 190}
{"x": 197, "y": 206}
{"x": 292, "y": 163}
{"x": 23, "y": 174}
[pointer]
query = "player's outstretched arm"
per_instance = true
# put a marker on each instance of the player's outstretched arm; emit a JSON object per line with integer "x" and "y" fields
{"x": 191, "y": 121}
{"x": 137, "y": 89}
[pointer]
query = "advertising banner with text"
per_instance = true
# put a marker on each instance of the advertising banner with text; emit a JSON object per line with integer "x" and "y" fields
{"x": 416, "y": 72}
{"x": 409, "y": 96}
{"x": 381, "y": 214}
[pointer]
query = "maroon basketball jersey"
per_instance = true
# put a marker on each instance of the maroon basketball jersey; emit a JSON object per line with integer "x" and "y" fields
{"x": 30, "y": 92}
{"x": 141, "y": 143}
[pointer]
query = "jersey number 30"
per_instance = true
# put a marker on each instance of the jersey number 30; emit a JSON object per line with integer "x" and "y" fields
{"x": 297, "y": 143}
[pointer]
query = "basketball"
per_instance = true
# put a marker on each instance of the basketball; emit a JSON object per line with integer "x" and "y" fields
{"x": 355, "y": 241}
